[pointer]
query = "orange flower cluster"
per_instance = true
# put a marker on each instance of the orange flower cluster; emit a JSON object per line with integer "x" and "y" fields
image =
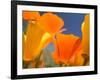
{"x": 42, "y": 30}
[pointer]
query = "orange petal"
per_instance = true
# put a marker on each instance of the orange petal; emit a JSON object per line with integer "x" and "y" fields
{"x": 51, "y": 22}
{"x": 65, "y": 47}
{"x": 77, "y": 58}
{"x": 34, "y": 41}
{"x": 31, "y": 15}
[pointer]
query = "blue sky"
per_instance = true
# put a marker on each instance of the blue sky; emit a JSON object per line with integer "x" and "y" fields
{"x": 72, "y": 22}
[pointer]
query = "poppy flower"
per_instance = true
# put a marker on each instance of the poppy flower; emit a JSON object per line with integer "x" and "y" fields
{"x": 71, "y": 49}
{"x": 66, "y": 46}
{"x": 37, "y": 37}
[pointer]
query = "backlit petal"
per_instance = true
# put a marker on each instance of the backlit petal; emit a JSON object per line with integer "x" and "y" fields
{"x": 86, "y": 34}
{"x": 51, "y": 22}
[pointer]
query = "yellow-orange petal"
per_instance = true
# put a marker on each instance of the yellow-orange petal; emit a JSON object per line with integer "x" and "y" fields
{"x": 51, "y": 22}
{"x": 33, "y": 37}
{"x": 31, "y": 15}
{"x": 45, "y": 40}
{"x": 65, "y": 47}
{"x": 86, "y": 34}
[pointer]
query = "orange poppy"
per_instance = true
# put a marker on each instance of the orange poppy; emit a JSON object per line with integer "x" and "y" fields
{"x": 37, "y": 37}
{"x": 71, "y": 49}
{"x": 66, "y": 46}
